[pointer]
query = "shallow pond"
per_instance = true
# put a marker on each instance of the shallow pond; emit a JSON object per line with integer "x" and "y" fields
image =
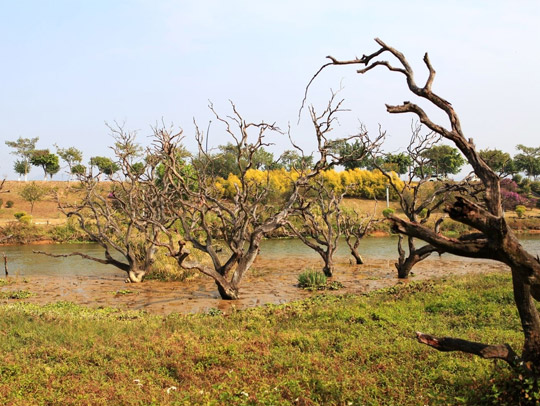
{"x": 22, "y": 261}
{"x": 272, "y": 278}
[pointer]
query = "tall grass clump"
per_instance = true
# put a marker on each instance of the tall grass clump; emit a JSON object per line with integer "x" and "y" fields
{"x": 312, "y": 280}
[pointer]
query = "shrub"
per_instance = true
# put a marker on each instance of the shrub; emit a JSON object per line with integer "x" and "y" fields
{"x": 19, "y": 214}
{"x": 9, "y": 204}
{"x": 68, "y": 232}
{"x": 518, "y": 389}
{"x": 22, "y": 233}
{"x": 520, "y": 211}
{"x": 312, "y": 280}
{"x": 512, "y": 199}
{"x": 1, "y": 203}
{"x": 535, "y": 186}
{"x": 26, "y": 219}
{"x": 453, "y": 228}
{"x": 388, "y": 212}
{"x": 18, "y": 294}
{"x": 509, "y": 185}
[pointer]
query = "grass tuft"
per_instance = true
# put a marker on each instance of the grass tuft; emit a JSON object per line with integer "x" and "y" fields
{"x": 312, "y": 280}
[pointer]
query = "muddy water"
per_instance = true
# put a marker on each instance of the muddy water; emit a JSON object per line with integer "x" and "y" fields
{"x": 272, "y": 278}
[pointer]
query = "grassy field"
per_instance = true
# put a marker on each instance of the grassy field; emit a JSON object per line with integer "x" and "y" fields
{"x": 327, "y": 350}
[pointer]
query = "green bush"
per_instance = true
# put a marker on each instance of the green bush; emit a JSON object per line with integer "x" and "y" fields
{"x": 68, "y": 232}
{"x": 520, "y": 210}
{"x": 388, "y": 212}
{"x": 453, "y": 228}
{"x": 22, "y": 233}
{"x": 19, "y": 214}
{"x": 312, "y": 280}
{"x": 9, "y": 204}
{"x": 26, "y": 219}
{"x": 535, "y": 186}
{"x": 514, "y": 389}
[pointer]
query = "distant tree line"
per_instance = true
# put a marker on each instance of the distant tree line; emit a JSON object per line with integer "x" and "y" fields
{"x": 443, "y": 161}
{"x": 29, "y": 155}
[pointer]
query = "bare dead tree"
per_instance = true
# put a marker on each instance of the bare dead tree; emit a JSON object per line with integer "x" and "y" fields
{"x": 419, "y": 195}
{"x": 356, "y": 226}
{"x": 240, "y": 221}
{"x": 493, "y": 238}
{"x": 122, "y": 214}
{"x": 319, "y": 227}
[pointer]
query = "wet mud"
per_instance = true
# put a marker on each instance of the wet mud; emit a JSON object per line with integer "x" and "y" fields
{"x": 269, "y": 281}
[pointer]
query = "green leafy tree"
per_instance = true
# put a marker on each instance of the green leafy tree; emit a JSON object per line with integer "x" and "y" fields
{"x": 105, "y": 165}
{"x": 71, "y": 156}
{"x": 291, "y": 159}
{"x": 137, "y": 169}
{"x": 24, "y": 148}
{"x": 444, "y": 160}
{"x": 528, "y": 160}
{"x": 399, "y": 163}
{"x": 46, "y": 160}
{"x": 264, "y": 160}
{"x": 499, "y": 161}
{"x": 33, "y": 193}
{"x": 78, "y": 170}
{"x": 356, "y": 155}
{"x": 230, "y": 159}
{"x": 21, "y": 167}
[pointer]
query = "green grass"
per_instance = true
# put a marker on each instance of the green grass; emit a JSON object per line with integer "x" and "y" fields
{"x": 124, "y": 292}
{"x": 327, "y": 350}
{"x": 312, "y": 280}
{"x": 15, "y": 294}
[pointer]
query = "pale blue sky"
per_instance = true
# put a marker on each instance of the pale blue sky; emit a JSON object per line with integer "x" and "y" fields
{"x": 69, "y": 66}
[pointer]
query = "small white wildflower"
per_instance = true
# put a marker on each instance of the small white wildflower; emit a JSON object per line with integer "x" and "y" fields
{"x": 138, "y": 382}
{"x": 244, "y": 394}
{"x": 170, "y": 389}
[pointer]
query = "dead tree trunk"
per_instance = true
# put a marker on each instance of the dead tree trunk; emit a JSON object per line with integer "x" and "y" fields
{"x": 493, "y": 240}
{"x": 405, "y": 264}
{"x": 5, "y": 264}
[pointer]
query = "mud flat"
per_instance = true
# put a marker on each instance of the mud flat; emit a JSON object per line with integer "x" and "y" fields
{"x": 270, "y": 281}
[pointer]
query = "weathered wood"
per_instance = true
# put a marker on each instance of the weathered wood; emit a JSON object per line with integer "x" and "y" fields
{"x": 494, "y": 239}
{"x": 501, "y": 351}
{"x": 5, "y": 263}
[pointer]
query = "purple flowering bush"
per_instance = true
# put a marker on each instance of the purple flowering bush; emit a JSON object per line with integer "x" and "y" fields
{"x": 511, "y": 198}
